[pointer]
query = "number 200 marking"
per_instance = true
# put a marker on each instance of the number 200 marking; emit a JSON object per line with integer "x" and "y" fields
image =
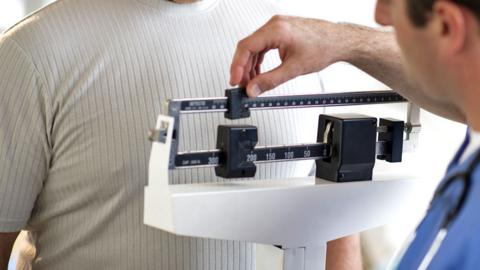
{"x": 251, "y": 157}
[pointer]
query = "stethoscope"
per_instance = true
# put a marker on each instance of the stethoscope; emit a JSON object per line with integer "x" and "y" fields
{"x": 465, "y": 178}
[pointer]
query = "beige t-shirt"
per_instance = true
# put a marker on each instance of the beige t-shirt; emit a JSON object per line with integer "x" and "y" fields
{"x": 81, "y": 83}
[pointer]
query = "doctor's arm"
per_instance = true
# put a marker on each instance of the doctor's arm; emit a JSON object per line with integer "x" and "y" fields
{"x": 310, "y": 45}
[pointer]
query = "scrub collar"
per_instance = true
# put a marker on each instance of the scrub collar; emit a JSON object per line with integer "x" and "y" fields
{"x": 473, "y": 144}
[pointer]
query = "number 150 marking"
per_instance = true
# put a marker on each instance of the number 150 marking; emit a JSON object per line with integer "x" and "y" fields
{"x": 270, "y": 156}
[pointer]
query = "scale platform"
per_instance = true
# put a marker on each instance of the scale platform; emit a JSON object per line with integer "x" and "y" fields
{"x": 293, "y": 213}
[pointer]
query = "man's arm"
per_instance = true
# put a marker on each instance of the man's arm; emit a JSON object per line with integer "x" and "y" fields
{"x": 309, "y": 45}
{"x": 344, "y": 254}
{"x": 6, "y": 244}
{"x": 24, "y": 126}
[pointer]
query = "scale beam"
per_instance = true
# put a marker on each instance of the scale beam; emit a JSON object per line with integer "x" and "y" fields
{"x": 265, "y": 154}
{"x": 238, "y": 99}
{"x": 238, "y": 105}
{"x": 261, "y": 154}
{"x": 236, "y": 155}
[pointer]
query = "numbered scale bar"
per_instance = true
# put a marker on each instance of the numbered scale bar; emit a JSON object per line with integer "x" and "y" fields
{"x": 299, "y": 101}
{"x": 263, "y": 154}
{"x": 258, "y": 155}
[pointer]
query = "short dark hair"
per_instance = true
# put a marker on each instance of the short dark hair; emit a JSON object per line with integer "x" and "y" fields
{"x": 419, "y": 10}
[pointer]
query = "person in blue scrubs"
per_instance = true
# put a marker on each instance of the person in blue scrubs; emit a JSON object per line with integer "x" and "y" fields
{"x": 432, "y": 58}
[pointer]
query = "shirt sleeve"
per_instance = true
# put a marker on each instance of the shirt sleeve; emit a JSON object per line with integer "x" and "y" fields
{"x": 24, "y": 144}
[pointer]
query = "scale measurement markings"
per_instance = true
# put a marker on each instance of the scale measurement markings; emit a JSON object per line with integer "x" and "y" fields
{"x": 258, "y": 155}
{"x": 299, "y": 101}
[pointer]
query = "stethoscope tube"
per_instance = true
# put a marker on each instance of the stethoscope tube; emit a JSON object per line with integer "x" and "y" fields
{"x": 465, "y": 177}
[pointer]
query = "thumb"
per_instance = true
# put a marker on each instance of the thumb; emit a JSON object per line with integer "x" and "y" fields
{"x": 269, "y": 80}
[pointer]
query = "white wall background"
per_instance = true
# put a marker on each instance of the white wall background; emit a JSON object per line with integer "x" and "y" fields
{"x": 10, "y": 11}
{"x": 13, "y": 10}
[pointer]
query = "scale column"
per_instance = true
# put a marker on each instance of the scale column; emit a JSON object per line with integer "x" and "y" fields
{"x": 305, "y": 258}
{"x": 291, "y": 258}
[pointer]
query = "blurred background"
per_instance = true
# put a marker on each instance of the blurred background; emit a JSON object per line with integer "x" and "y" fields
{"x": 12, "y": 11}
{"x": 438, "y": 141}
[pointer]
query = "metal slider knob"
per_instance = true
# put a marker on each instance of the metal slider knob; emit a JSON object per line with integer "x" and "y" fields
{"x": 159, "y": 135}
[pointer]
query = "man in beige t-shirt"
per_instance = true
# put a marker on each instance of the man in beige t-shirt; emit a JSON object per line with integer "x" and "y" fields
{"x": 81, "y": 83}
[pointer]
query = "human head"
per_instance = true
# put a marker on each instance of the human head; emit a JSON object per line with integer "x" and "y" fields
{"x": 440, "y": 43}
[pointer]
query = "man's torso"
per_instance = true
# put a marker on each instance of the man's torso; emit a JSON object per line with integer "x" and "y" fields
{"x": 110, "y": 66}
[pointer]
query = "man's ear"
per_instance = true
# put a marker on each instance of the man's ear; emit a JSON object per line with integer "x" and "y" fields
{"x": 451, "y": 27}
{"x": 382, "y": 12}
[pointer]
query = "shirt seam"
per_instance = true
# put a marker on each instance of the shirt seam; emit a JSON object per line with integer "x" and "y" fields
{"x": 43, "y": 81}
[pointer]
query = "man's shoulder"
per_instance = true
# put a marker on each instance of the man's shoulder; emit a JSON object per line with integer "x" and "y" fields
{"x": 40, "y": 18}
{"x": 56, "y": 24}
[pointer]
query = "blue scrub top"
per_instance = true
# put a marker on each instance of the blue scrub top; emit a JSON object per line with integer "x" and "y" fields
{"x": 460, "y": 248}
